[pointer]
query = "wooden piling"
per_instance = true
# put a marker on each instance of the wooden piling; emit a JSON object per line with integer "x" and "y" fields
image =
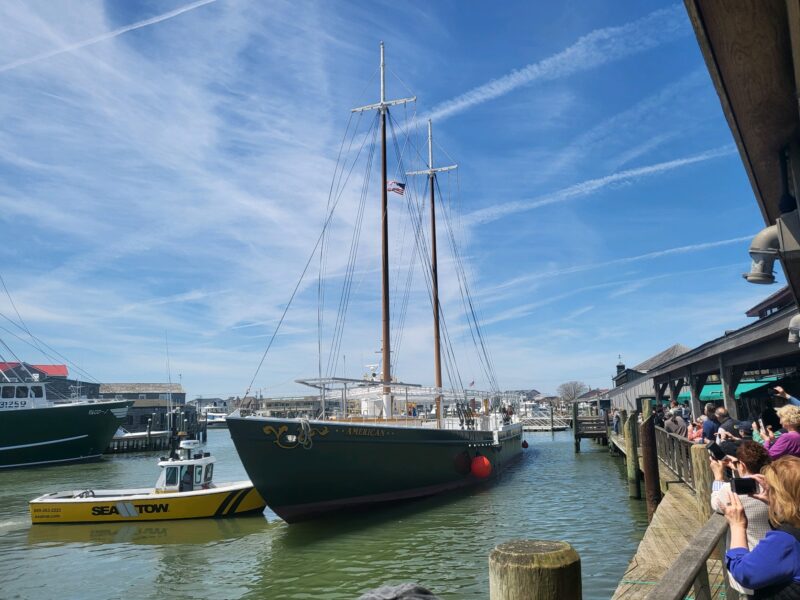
{"x": 552, "y": 421}
{"x": 576, "y": 428}
{"x": 632, "y": 457}
{"x": 623, "y": 418}
{"x": 534, "y": 570}
{"x": 703, "y": 479}
{"x": 652, "y": 485}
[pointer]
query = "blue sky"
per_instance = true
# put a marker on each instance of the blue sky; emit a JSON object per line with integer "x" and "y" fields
{"x": 164, "y": 169}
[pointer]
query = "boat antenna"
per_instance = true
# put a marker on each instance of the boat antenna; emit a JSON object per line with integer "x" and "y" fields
{"x": 382, "y": 107}
{"x": 169, "y": 380}
{"x": 431, "y": 172}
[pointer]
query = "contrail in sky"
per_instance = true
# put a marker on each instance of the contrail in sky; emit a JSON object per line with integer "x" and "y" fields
{"x": 594, "y": 49}
{"x": 104, "y": 36}
{"x": 584, "y": 188}
{"x": 622, "y": 261}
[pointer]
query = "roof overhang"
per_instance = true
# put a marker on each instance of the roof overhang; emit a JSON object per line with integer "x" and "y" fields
{"x": 752, "y": 51}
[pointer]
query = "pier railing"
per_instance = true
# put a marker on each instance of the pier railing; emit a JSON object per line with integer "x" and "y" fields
{"x": 675, "y": 452}
{"x": 691, "y": 570}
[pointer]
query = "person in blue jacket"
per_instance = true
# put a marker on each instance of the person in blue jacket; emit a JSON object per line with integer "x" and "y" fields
{"x": 772, "y": 567}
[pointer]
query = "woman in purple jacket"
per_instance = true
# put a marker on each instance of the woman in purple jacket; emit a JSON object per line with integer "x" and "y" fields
{"x": 787, "y": 444}
{"x": 772, "y": 568}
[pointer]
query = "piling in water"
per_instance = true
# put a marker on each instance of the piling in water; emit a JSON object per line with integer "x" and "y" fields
{"x": 632, "y": 457}
{"x": 534, "y": 570}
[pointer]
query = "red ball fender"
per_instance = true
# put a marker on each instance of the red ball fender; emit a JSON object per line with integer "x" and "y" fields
{"x": 481, "y": 467}
{"x": 524, "y": 443}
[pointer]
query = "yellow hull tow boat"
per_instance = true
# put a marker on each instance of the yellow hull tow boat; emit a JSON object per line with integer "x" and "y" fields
{"x": 184, "y": 490}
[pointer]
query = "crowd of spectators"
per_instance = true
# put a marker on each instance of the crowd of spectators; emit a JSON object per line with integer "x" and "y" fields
{"x": 763, "y": 541}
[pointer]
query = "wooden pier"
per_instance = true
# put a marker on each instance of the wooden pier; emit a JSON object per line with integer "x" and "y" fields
{"x": 588, "y": 427}
{"x": 681, "y": 548}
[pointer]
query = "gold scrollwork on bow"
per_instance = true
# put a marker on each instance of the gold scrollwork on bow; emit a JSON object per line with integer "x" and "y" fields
{"x": 302, "y": 437}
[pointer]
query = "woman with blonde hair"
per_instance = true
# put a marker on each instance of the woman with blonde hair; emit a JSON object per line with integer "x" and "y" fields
{"x": 787, "y": 444}
{"x": 772, "y": 568}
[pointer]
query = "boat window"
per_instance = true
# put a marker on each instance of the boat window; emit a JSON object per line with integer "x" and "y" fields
{"x": 22, "y": 391}
{"x": 209, "y": 471}
{"x": 8, "y": 391}
{"x": 172, "y": 475}
{"x": 37, "y": 391}
{"x": 198, "y": 474}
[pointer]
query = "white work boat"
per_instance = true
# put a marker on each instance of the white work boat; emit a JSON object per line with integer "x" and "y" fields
{"x": 184, "y": 490}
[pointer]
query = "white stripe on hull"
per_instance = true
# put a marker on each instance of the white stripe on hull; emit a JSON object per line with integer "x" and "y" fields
{"x": 47, "y": 462}
{"x": 69, "y": 439}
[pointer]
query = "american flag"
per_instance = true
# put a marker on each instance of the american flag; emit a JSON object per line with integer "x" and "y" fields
{"x": 396, "y": 187}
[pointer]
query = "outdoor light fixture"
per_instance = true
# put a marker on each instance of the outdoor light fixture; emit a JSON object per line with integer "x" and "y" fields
{"x": 794, "y": 330}
{"x": 763, "y": 251}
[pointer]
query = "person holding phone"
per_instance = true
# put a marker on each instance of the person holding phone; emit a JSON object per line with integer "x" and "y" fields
{"x": 750, "y": 459}
{"x": 779, "y": 392}
{"x": 772, "y": 567}
{"x": 789, "y": 443}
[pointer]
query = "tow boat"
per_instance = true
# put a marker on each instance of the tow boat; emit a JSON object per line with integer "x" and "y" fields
{"x": 184, "y": 490}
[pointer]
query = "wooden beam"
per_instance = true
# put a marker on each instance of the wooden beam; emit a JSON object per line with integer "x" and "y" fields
{"x": 696, "y": 384}
{"x": 730, "y": 376}
{"x": 675, "y": 387}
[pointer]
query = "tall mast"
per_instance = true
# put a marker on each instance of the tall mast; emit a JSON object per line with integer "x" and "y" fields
{"x": 437, "y": 354}
{"x": 386, "y": 347}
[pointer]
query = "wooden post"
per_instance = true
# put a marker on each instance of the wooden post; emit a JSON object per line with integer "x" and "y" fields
{"x": 647, "y": 408}
{"x": 534, "y": 570}
{"x": 703, "y": 478}
{"x": 623, "y": 418}
{"x": 552, "y": 421}
{"x": 696, "y": 384}
{"x": 632, "y": 457}
{"x": 652, "y": 485}
{"x": 575, "y": 427}
{"x": 730, "y": 378}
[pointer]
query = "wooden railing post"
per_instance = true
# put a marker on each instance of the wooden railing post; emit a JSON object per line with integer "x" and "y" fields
{"x": 534, "y": 570}
{"x": 652, "y": 484}
{"x": 632, "y": 457}
{"x": 703, "y": 477}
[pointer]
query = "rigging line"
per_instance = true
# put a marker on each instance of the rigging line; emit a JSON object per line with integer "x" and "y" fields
{"x": 21, "y": 364}
{"x": 19, "y": 316}
{"x": 322, "y": 254}
{"x": 451, "y": 365}
{"x": 466, "y": 292}
{"x": 485, "y": 368}
{"x": 344, "y": 298}
{"x": 49, "y": 356}
{"x": 449, "y": 359}
{"x": 347, "y": 284}
{"x": 340, "y": 190}
{"x": 297, "y": 286}
{"x": 400, "y": 153}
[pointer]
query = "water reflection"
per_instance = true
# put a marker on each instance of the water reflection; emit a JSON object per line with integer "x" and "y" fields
{"x": 190, "y": 531}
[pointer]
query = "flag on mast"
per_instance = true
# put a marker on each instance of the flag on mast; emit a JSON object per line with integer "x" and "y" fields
{"x": 396, "y": 187}
{"x": 472, "y": 383}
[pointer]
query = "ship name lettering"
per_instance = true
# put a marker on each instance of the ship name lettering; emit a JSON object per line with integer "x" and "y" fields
{"x": 367, "y": 431}
{"x": 140, "y": 508}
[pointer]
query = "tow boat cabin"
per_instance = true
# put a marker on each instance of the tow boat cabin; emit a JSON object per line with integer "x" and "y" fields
{"x": 192, "y": 471}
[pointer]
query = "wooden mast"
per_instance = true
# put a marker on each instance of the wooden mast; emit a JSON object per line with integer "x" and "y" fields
{"x": 437, "y": 353}
{"x": 386, "y": 348}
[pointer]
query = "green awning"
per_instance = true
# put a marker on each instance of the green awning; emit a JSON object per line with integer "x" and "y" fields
{"x": 713, "y": 391}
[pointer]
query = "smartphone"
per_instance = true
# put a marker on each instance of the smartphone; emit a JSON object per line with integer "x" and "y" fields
{"x": 760, "y": 424}
{"x": 744, "y": 485}
{"x": 715, "y": 451}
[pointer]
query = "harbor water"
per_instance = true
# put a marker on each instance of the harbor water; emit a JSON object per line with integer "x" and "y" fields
{"x": 442, "y": 542}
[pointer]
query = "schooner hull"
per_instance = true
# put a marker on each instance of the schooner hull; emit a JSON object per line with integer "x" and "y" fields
{"x": 304, "y": 469}
{"x": 58, "y": 434}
